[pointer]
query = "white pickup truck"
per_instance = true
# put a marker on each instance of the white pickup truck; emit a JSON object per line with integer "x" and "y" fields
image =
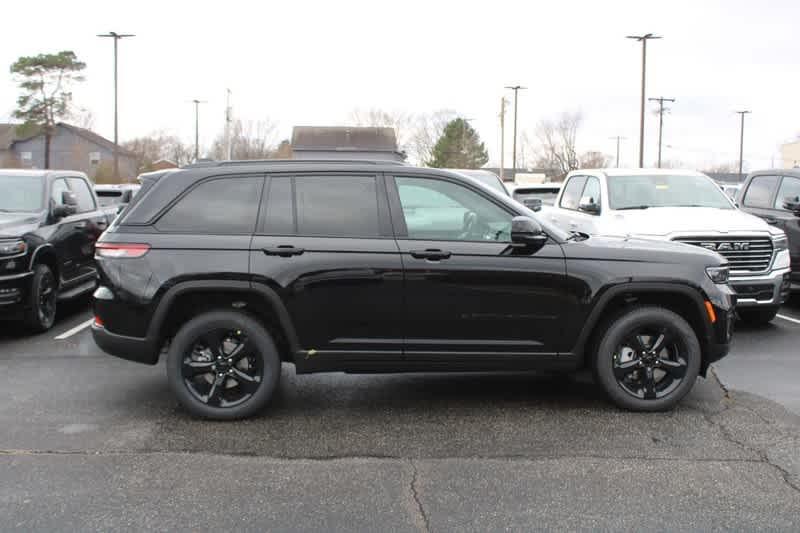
{"x": 683, "y": 206}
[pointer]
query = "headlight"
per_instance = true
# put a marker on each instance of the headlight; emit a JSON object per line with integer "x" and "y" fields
{"x": 13, "y": 248}
{"x": 780, "y": 243}
{"x": 718, "y": 274}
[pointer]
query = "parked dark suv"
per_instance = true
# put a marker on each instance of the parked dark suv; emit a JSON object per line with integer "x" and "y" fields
{"x": 378, "y": 267}
{"x": 774, "y": 195}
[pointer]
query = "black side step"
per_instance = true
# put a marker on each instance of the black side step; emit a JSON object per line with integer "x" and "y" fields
{"x": 74, "y": 292}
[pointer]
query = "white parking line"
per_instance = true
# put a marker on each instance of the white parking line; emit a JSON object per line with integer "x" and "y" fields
{"x": 76, "y": 329}
{"x": 790, "y": 319}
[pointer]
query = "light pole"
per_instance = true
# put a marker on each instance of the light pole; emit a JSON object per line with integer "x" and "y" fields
{"x": 660, "y": 101}
{"x": 116, "y": 36}
{"x": 516, "y": 89}
{"x": 643, "y": 39}
{"x": 618, "y": 138}
{"x": 197, "y": 103}
{"x": 741, "y": 140}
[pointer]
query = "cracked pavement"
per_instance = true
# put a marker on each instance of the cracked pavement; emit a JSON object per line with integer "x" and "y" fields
{"x": 92, "y": 443}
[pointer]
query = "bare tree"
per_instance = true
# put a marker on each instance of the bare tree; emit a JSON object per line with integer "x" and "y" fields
{"x": 82, "y": 118}
{"x": 556, "y": 139}
{"x": 401, "y": 122}
{"x": 158, "y": 145}
{"x": 593, "y": 159}
{"x": 249, "y": 140}
{"x": 723, "y": 168}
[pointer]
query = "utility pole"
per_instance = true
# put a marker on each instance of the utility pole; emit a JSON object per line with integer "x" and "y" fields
{"x": 503, "y": 103}
{"x": 516, "y": 89}
{"x": 618, "y": 138}
{"x": 228, "y": 120}
{"x": 741, "y": 140}
{"x": 660, "y": 101}
{"x": 197, "y": 127}
{"x": 116, "y": 36}
{"x": 642, "y": 39}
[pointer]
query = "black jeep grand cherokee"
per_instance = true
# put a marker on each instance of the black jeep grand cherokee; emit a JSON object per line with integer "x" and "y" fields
{"x": 378, "y": 267}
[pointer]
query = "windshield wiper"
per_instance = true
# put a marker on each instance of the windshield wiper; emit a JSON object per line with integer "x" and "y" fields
{"x": 633, "y": 207}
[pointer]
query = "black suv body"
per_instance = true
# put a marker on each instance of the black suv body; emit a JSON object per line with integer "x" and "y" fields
{"x": 49, "y": 222}
{"x": 362, "y": 267}
{"x": 774, "y": 195}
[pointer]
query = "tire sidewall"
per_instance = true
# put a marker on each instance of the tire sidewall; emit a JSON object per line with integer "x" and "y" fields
{"x": 265, "y": 349}
{"x": 622, "y": 326}
{"x": 33, "y": 320}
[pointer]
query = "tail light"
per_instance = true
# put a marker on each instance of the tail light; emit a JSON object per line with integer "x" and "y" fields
{"x": 120, "y": 250}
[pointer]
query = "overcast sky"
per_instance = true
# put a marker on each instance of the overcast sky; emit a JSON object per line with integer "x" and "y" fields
{"x": 311, "y": 63}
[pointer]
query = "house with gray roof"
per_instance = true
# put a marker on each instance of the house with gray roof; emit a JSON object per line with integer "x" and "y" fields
{"x": 345, "y": 142}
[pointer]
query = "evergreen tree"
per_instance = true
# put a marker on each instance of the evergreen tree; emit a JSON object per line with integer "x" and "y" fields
{"x": 459, "y": 146}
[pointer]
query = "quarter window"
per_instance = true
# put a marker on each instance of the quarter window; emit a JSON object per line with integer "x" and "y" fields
{"x": 337, "y": 206}
{"x": 442, "y": 210}
{"x": 759, "y": 192}
{"x": 279, "y": 219}
{"x": 790, "y": 188}
{"x": 220, "y": 207}
{"x": 83, "y": 194}
{"x": 572, "y": 192}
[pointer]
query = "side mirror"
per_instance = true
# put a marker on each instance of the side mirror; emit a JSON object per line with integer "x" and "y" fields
{"x": 792, "y": 204}
{"x": 588, "y": 205}
{"x": 534, "y": 204}
{"x": 527, "y": 232}
{"x": 127, "y": 196}
{"x": 69, "y": 198}
{"x": 68, "y": 207}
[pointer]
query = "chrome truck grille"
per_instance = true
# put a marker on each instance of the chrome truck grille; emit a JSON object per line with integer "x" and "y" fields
{"x": 745, "y": 254}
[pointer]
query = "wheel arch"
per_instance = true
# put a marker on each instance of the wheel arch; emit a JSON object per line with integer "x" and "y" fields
{"x": 46, "y": 255}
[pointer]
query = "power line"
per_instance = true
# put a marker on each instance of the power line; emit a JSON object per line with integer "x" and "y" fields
{"x": 660, "y": 101}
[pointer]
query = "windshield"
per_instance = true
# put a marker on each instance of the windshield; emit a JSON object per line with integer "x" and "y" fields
{"x": 21, "y": 193}
{"x": 637, "y": 192}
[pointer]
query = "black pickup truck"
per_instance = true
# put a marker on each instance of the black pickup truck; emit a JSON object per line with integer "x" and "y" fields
{"x": 49, "y": 222}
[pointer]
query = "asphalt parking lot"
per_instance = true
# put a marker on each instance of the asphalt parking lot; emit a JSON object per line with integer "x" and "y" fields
{"x": 94, "y": 443}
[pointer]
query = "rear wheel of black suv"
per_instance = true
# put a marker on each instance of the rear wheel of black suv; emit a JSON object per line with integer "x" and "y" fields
{"x": 648, "y": 359}
{"x": 223, "y": 365}
{"x": 758, "y": 316}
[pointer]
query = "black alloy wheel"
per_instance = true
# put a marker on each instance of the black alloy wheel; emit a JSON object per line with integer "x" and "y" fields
{"x": 40, "y": 314}
{"x": 650, "y": 363}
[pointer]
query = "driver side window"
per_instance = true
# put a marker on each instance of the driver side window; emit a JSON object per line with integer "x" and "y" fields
{"x": 441, "y": 210}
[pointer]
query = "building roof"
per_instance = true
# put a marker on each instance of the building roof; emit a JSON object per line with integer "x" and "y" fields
{"x": 344, "y": 138}
{"x": 9, "y": 134}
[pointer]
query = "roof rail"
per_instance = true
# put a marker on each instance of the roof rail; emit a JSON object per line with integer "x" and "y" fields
{"x": 212, "y": 163}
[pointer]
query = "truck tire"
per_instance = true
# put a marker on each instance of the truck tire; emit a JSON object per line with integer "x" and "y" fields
{"x": 40, "y": 312}
{"x": 223, "y": 365}
{"x": 758, "y": 316}
{"x": 647, "y": 360}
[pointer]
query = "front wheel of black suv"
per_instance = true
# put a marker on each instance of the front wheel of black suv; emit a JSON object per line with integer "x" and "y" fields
{"x": 41, "y": 311}
{"x": 648, "y": 359}
{"x": 223, "y": 365}
{"x": 758, "y": 316}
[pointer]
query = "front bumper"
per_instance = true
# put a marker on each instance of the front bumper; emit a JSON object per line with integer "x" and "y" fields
{"x": 765, "y": 290}
{"x": 14, "y": 291}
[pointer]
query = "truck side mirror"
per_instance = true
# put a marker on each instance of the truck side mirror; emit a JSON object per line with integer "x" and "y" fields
{"x": 792, "y": 204}
{"x": 588, "y": 205}
{"x": 68, "y": 207}
{"x": 127, "y": 196}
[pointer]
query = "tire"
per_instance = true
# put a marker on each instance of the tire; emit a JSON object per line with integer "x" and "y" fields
{"x": 40, "y": 313}
{"x": 204, "y": 346}
{"x": 758, "y": 316}
{"x": 638, "y": 374}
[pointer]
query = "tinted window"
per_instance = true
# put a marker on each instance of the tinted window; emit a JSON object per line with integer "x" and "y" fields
{"x": 340, "y": 206}
{"x": 279, "y": 218}
{"x": 219, "y": 207}
{"x": 83, "y": 194}
{"x": 759, "y": 192}
{"x": 437, "y": 209}
{"x": 572, "y": 192}
{"x": 790, "y": 188}
{"x": 56, "y": 192}
{"x": 592, "y": 189}
{"x": 546, "y": 195}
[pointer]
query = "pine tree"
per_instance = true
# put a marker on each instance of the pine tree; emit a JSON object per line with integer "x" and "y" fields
{"x": 459, "y": 146}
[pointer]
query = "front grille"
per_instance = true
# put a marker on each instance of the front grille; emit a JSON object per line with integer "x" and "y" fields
{"x": 745, "y": 254}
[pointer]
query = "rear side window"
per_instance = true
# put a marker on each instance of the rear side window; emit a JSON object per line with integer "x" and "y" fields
{"x": 220, "y": 207}
{"x": 759, "y": 192}
{"x": 337, "y": 206}
{"x": 790, "y": 188}
{"x": 83, "y": 193}
{"x": 572, "y": 192}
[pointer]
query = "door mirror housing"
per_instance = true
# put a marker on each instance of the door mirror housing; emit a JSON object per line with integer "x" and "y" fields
{"x": 792, "y": 203}
{"x": 127, "y": 196}
{"x": 526, "y": 232}
{"x": 68, "y": 207}
{"x": 588, "y": 205}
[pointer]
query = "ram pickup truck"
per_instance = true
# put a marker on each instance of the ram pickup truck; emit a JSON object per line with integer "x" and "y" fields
{"x": 49, "y": 223}
{"x": 236, "y": 267}
{"x": 688, "y": 207}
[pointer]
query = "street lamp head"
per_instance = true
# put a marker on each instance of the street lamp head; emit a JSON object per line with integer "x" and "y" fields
{"x": 515, "y": 87}
{"x": 116, "y": 35}
{"x": 644, "y": 37}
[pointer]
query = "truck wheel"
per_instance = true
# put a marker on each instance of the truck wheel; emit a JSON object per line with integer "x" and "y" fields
{"x": 41, "y": 309}
{"x": 758, "y": 316}
{"x": 648, "y": 359}
{"x": 223, "y": 365}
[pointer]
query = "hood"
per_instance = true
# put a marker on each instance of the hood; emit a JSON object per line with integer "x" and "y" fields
{"x": 668, "y": 221}
{"x": 17, "y": 224}
{"x": 636, "y": 250}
